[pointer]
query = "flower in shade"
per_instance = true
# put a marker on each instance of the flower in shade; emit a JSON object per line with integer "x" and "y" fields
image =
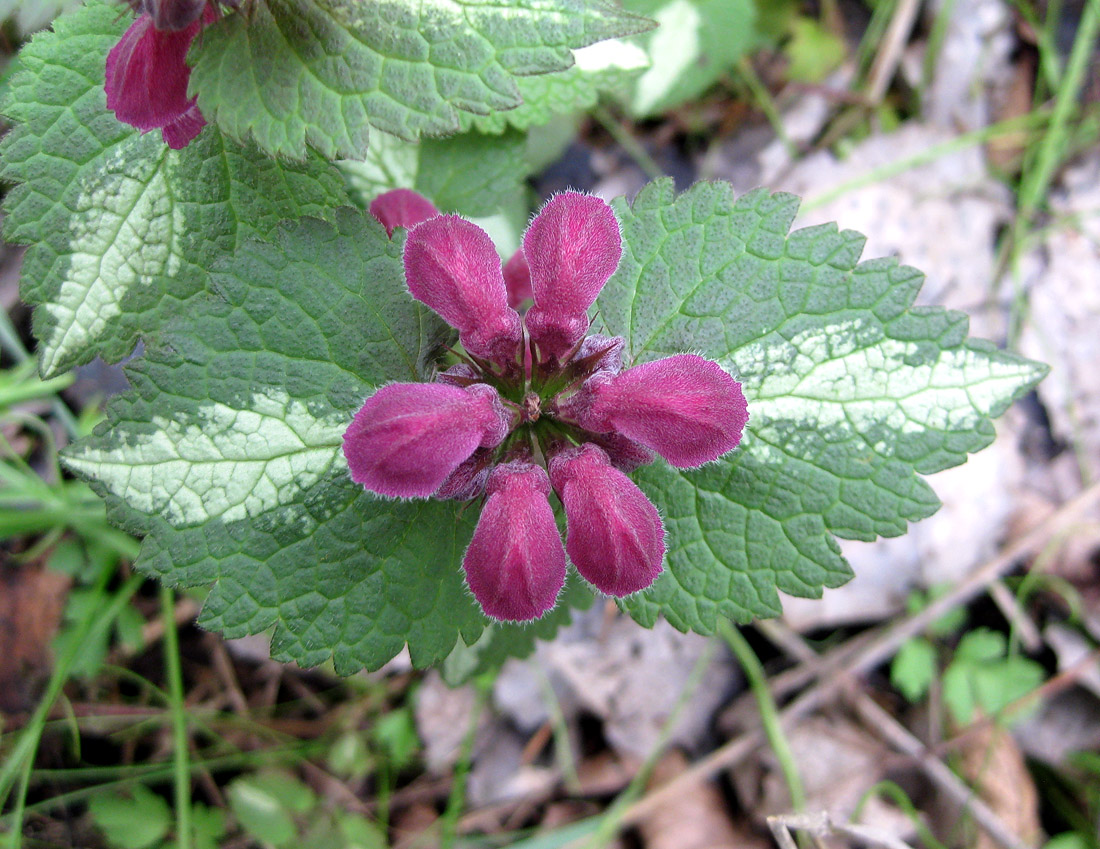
{"x": 534, "y": 406}
{"x": 147, "y": 73}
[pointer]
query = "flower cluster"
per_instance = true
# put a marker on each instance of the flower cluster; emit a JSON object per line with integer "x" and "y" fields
{"x": 147, "y": 74}
{"x": 534, "y": 406}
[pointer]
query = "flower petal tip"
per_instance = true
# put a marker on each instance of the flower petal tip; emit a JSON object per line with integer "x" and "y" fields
{"x": 402, "y": 208}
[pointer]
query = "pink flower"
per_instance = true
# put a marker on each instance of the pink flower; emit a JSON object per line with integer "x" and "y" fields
{"x": 452, "y": 266}
{"x": 684, "y": 407}
{"x": 402, "y": 208}
{"x": 147, "y": 75}
{"x": 615, "y": 537}
{"x": 487, "y": 421}
{"x": 572, "y": 248}
{"x": 408, "y": 438}
{"x": 515, "y": 564}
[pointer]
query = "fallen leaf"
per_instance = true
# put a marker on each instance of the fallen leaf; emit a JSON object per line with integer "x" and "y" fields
{"x": 31, "y": 602}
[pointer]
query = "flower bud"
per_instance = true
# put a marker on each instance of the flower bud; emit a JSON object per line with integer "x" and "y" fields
{"x": 515, "y": 564}
{"x": 401, "y": 208}
{"x": 614, "y": 535}
{"x": 408, "y": 438}
{"x": 572, "y": 247}
{"x": 684, "y": 407}
{"x": 452, "y": 266}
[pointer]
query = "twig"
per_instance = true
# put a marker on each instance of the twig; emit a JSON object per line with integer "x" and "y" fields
{"x": 1016, "y": 615}
{"x": 894, "y": 733}
{"x": 891, "y": 50}
{"x": 822, "y": 825}
{"x": 901, "y": 739}
{"x": 881, "y": 649}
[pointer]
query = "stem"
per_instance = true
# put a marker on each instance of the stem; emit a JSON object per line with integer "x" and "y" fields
{"x": 180, "y": 755}
{"x": 769, "y": 713}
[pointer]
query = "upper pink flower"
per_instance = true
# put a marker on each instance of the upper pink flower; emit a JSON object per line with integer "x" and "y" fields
{"x": 572, "y": 248}
{"x": 147, "y": 75}
{"x": 402, "y": 208}
{"x": 452, "y": 266}
{"x": 551, "y": 393}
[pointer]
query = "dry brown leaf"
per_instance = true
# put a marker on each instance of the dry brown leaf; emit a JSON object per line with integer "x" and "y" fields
{"x": 31, "y": 602}
{"x": 994, "y": 766}
{"x": 694, "y": 819}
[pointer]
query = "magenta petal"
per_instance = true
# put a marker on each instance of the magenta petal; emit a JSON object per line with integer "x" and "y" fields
{"x": 409, "y": 437}
{"x": 146, "y": 80}
{"x": 181, "y": 131}
{"x": 614, "y": 535}
{"x": 402, "y": 208}
{"x": 573, "y": 247}
{"x": 452, "y": 266}
{"x": 684, "y": 407}
{"x": 515, "y": 564}
{"x": 517, "y": 279}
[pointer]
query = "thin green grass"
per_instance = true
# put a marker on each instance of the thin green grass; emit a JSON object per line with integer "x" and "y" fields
{"x": 181, "y": 754}
{"x": 769, "y": 712}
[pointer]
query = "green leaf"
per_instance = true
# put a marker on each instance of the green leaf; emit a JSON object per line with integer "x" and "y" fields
{"x": 395, "y": 734}
{"x": 122, "y": 229}
{"x": 610, "y": 66}
{"x": 136, "y": 821}
{"x": 401, "y": 67}
{"x": 853, "y": 394}
{"x": 208, "y": 825}
{"x": 813, "y": 50}
{"x": 914, "y": 668}
{"x": 981, "y": 676}
{"x": 472, "y": 174}
{"x": 695, "y": 43}
{"x": 227, "y": 455}
{"x": 263, "y": 804}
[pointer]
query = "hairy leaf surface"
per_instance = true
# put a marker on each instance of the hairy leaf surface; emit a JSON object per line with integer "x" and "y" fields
{"x": 122, "y": 229}
{"x": 853, "y": 394}
{"x": 294, "y": 74}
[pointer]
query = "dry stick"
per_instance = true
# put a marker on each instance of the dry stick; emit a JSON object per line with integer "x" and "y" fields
{"x": 898, "y": 736}
{"x": 1011, "y": 610}
{"x": 866, "y": 659}
{"x": 894, "y": 733}
{"x": 890, "y": 52}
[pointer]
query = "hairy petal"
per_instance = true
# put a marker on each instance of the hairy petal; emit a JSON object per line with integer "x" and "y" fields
{"x": 402, "y": 208}
{"x": 572, "y": 247}
{"x": 684, "y": 407}
{"x": 452, "y": 266}
{"x": 515, "y": 564}
{"x": 614, "y": 535}
{"x": 408, "y": 438}
{"x": 146, "y": 79}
